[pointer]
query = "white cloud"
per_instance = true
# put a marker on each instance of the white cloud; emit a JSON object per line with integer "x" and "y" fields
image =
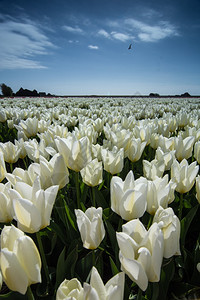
{"x": 75, "y": 29}
{"x": 93, "y": 47}
{"x": 104, "y": 33}
{"x": 151, "y": 33}
{"x": 121, "y": 36}
{"x": 21, "y": 41}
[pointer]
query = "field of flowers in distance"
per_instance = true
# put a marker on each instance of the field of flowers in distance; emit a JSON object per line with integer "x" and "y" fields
{"x": 99, "y": 198}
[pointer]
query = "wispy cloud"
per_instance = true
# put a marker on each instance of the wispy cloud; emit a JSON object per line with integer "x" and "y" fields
{"x": 103, "y": 33}
{"x": 71, "y": 29}
{"x": 132, "y": 29}
{"x": 123, "y": 37}
{"x": 21, "y": 42}
{"x": 151, "y": 33}
{"x": 93, "y": 47}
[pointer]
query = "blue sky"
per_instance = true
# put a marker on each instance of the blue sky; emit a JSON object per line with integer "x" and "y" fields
{"x": 76, "y": 47}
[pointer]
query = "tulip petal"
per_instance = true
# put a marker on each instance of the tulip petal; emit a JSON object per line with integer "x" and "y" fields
{"x": 97, "y": 283}
{"x": 13, "y": 273}
{"x": 89, "y": 292}
{"x": 27, "y": 215}
{"x": 127, "y": 245}
{"x": 24, "y": 189}
{"x": 8, "y": 236}
{"x": 115, "y": 287}
{"x": 29, "y": 258}
{"x": 135, "y": 271}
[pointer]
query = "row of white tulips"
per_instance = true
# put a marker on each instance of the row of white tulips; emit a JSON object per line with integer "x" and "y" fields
{"x": 103, "y": 133}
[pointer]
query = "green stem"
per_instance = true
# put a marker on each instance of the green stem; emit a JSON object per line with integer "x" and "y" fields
{"x": 43, "y": 257}
{"x": 11, "y": 167}
{"x": 93, "y": 258}
{"x": 76, "y": 174}
{"x": 150, "y": 221}
{"x": 93, "y": 196}
{"x": 25, "y": 164}
{"x": 180, "y": 207}
{"x": 29, "y": 294}
{"x": 139, "y": 294}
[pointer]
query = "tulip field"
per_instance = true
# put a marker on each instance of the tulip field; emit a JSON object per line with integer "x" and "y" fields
{"x": 99, "y": 198}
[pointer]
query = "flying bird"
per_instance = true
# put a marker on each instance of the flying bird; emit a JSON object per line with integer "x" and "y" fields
{"x": 129, "y": 46}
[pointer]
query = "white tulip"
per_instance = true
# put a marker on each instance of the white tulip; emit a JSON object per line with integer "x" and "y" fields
{"x": 91, "y": 227}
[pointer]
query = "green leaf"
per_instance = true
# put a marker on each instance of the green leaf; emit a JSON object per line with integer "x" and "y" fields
{"x": 14, "y": 296}
{"x": 100, "y": 200}
{"x": 55, "y": 227}
{"x": 65, "y": 267}
{"x": 71, "y": 261}
{"x": 186, "y": 221}
{"x": 113, "y": 266}
{"x": 60, "y": 269}
{"x": 71, "y": 216}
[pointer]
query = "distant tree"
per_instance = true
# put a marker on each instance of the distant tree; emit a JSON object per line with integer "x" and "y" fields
{"x": 154, "y": 95}
{"x": 6, "y": 90}
{"x": 186, "y": 94}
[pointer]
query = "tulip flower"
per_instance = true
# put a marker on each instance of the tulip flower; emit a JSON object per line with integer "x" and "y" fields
{"x": 128, "y": 197}
{"x": 183, "y": 147}
{"x": 113, "y": 161}
{"x": 10, "y": 151}
{"x": 35, "y": 150}
{"x": 198, "y": 267}
{"x": 6, "y": 207}
{"x": 2, "y": 167}
{"x": 197, "y": 151}
{"x": 135, "y": 149}
{"x": 92, "y": 173}
{"x": 32, "y": 205}
{"x": 76, "y": 153}
{"x": 198, "y": 188}
{"x": 160, "y": 192}
{"x": 3, "y": 116}
{"x": 91, "y": 227}
{"x": 143, "y": 132}
{"x": 141, "y": 252}
{"x": 184, "y": 175}
{"x": 29, "y": 127}
{"x": 20, "y": 175}
{"x": 113, "y": 289}
{"x": 19, "y": 260}
{"x": 70, "y": 289}
{"x": 166, "y": 144}
{"x": 53, "y": 172}
{"x": 153, "y": 169}
{"x": 168, "y": 157}
{"x": 170, "y": 226}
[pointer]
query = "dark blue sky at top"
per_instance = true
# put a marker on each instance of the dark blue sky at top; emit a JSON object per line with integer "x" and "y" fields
{"x": 81, "y": 47}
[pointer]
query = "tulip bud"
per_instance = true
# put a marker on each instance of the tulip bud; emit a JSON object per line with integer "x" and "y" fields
{"x": 113, "y": 161}
{"x": 113, "y": 289}
{"x": 33, "y": 205}
{"x": 128, "y": 197}
{"x": 135, "y": 149}
{"x": 2, "y": 167}
{"x": 184, "y": 175}
{"x": 76, "y": 153}
{"x": 91, "y": 226}
{"x": 141, "y": 252}
{"x": 19, "y": 260}
{"x": 92, "y": 173}
{"x": 170, "y": 226}
{"x": 70, "y": 289}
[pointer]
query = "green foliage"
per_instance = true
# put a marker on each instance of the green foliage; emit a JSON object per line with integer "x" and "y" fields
{"x": 6, "y": 90}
